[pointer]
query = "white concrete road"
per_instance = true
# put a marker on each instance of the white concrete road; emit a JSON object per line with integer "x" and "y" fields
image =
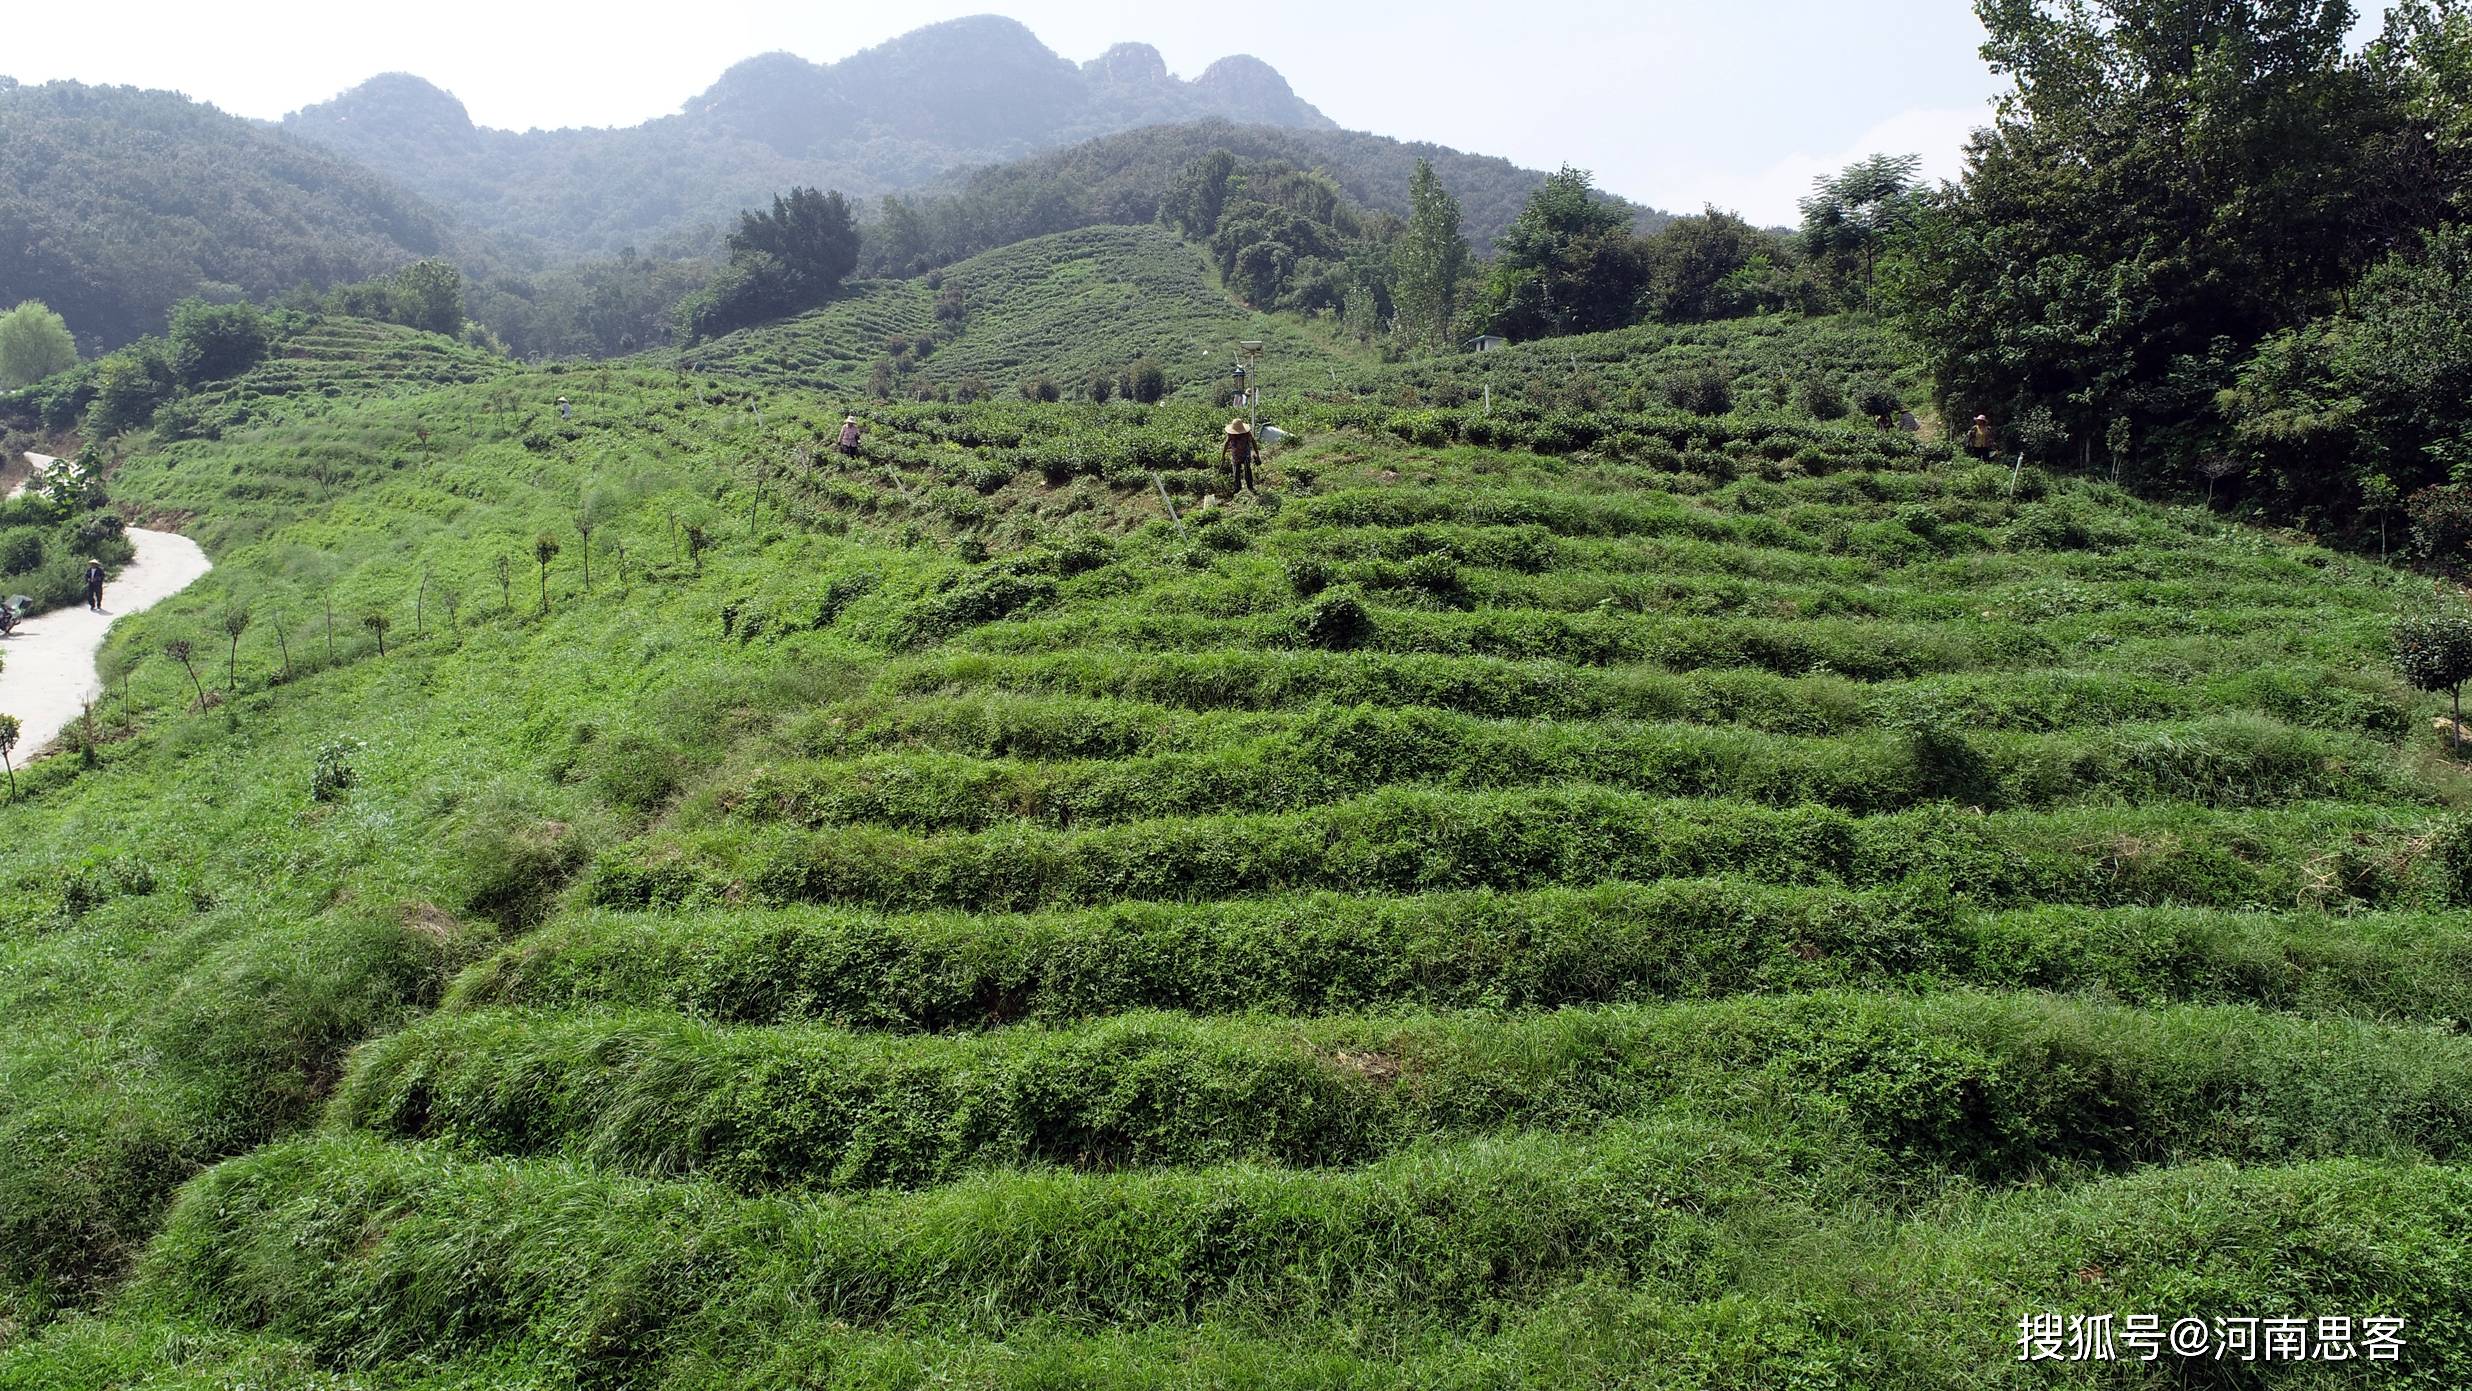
{"x": 35, "y": 464}
{"x": 47, "y": 666}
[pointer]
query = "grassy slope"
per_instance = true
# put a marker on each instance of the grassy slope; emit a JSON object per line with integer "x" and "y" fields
{"x": 1062, "y": 306}
{"x": 1750, "y": 904}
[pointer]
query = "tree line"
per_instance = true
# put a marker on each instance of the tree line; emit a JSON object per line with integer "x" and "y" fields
{"x": 2211, "y": 240}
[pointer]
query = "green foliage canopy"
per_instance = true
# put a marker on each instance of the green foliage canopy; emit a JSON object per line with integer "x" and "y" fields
{"x": 34, "y": 344}
{"x": 209, "y": 341}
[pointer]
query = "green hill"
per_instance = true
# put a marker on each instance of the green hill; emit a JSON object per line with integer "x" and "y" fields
{"x": 116, "y": 203}
{"x": 1063, "y": 306}
{"x": 1557, "y": 896}
{"x": 1123, "y": 178}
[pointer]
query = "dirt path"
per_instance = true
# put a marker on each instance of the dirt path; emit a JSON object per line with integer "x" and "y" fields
{"x": 47, "y": 665}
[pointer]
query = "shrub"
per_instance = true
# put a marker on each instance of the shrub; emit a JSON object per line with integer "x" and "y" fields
{"x": 2442, "y": 526}
{"x": 21, "y": 552}
{"x": 1820, "y": 397}
{"x": 631, "y": 770}
{"x": 1081, "y": 553}
{"x": 1700, "y": 390}
{"x": 1875, "y": 401}
{"x": 1437, "y": 575}
{"x": 1337, "y": 621}
{"x": 1308, "y": 576}
{"x": 215, "y": 340}
{"x": 983, "y": 597}
{"x": 1225, "y": 539}
{"x": 513, "y": 863}
{"x": 331, "y": 769}
{"x": 2433, "y": 650}
{"x": 1145, "y": 381}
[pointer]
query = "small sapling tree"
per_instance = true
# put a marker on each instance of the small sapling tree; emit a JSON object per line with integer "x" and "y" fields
{"x": 451, "y": 600}
{"x": 283, "y": 643}
{"x": 114, "y": 666}
{"x": 179, "y": 650}
{"x": 9, "y": 730}
{"x": 235, "y": 623}
{"x": 377, "y": 623}
{"x": 2433, "y": 650}
{"x": 504, "y": 567}
{"x": 544, "y": 550}
{"x": 2380, "y": 498}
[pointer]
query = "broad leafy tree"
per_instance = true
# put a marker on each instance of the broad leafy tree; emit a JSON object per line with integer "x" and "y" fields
{"x": 1850, "y": 217}
{"x": 215, "y": 340}
{"x": 34, "y": 344}
{"x": 130, "y": 384}
{"x": 2165, "y": 183}
{"x": 1569, "y": 264}
{"x": 783, "y": 260}
{"x": 1715, "y": 266}
{"x": 432, "y": 294}
{"x": 811, "y": 234}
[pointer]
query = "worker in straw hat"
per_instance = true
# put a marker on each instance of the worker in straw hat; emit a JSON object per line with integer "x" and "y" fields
{"x": 1240, "y": 448}
{"x": 1979, "y": 438}
{"x": 848, "y": 443}
{"x": 565, "y": 408}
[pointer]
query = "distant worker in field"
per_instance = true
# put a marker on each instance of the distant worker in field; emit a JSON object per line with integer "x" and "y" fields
{"x": 1241, "y": 449}
{"x": 1979, "y": 439}
{"x": 848, "y": 443}
{"x": 94, "y": 585}
{"x": 566, "y": 410}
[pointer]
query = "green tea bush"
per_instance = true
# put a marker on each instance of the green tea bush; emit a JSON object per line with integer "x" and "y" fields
{"x": 1336, "y": 620}
{"x": 332, "y": 772}
{"x": 2000, "y": 1089}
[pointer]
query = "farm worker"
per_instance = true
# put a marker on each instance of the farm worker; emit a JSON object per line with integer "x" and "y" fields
{"x": 849, "y": 436}
{"x": 94, "y": 585}
{"x": 1978, "y": 439}
{"x": 1240, "y": 450}
{"x": 565, "y": 411}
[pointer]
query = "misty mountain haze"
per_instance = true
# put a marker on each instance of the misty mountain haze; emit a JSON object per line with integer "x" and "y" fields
{"x": 966, "y": 92}
{"x": 990, "y": 133}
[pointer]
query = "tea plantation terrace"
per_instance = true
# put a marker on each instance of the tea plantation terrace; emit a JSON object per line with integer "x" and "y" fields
{"x": 1531, "y": 898}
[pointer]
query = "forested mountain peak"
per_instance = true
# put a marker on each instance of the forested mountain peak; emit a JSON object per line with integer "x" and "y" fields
{"x": 777, "y": 98}
{"x": 897, "y": 116}
{"x": 1245, "y": 88}
{"x": 1129, "y": 63}
{"x": 407, "y": 106}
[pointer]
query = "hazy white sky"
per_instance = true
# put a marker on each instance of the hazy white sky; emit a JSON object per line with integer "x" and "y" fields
{"x": 1675, "y": 103}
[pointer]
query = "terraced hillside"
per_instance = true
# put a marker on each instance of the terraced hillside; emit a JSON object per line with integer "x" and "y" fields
{"x": 1062, "y": 307}
{"x": 330, "y": 358}
{"x": 1546, "y": 898}
{"x": 1775, "y": 361}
